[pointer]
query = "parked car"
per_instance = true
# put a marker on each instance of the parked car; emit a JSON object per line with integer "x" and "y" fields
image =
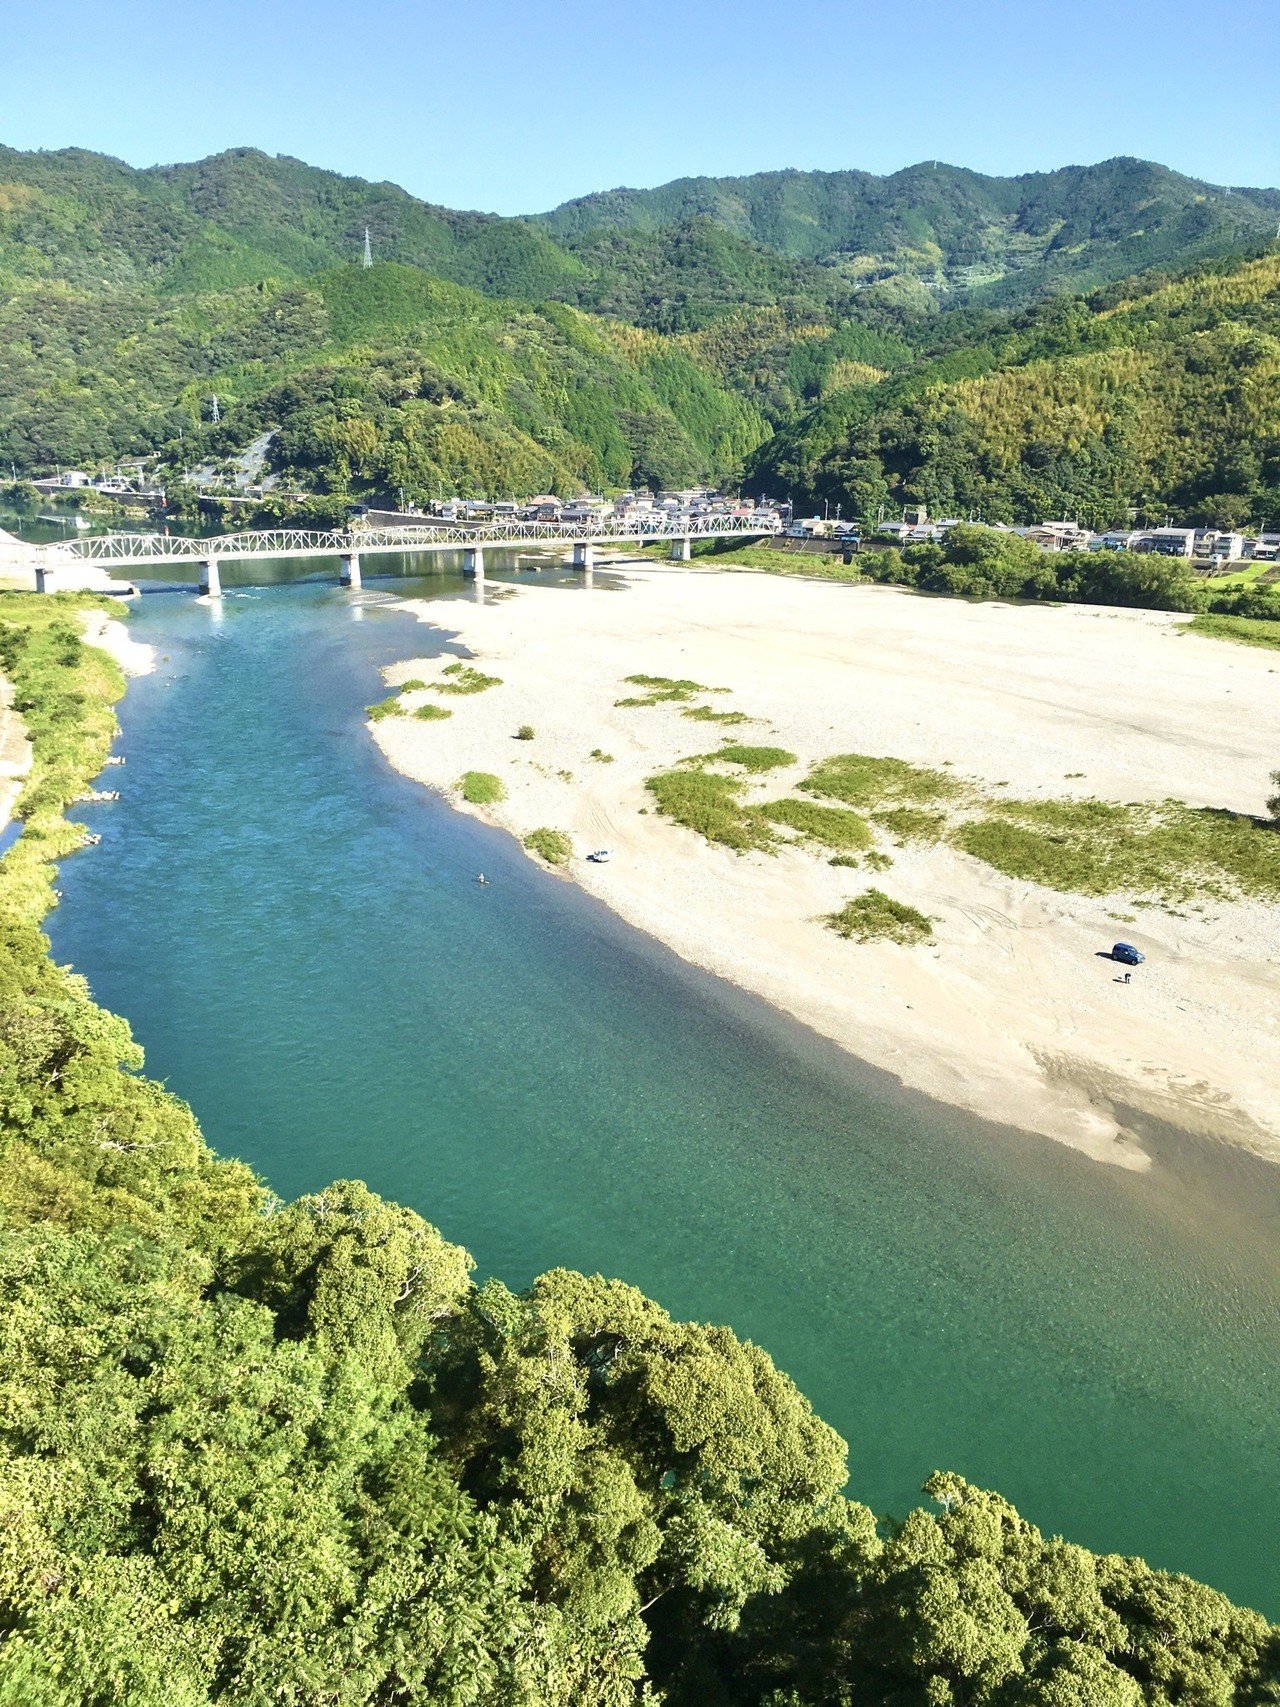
{"x": 1127, "y": 954}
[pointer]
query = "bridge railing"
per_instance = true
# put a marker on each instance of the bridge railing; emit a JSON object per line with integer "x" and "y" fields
{"x": 311, "y": 542}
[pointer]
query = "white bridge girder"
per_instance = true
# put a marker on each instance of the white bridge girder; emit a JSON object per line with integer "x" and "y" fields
{"x": 143, "y": 548}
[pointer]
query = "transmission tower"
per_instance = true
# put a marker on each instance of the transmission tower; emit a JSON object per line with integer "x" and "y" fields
{"x": 215, "y": 417}
{"x": 368, "y": 250}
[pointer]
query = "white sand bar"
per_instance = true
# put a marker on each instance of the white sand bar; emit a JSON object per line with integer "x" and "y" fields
{"x": 1010, "y": 1012}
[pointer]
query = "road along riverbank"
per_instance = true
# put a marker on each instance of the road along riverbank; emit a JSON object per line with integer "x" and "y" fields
{"x": 1009, "y": 1010}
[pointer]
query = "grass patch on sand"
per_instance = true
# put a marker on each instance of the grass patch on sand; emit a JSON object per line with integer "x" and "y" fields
{"x": 860, "y": 780}
{"x": 389, "y": 707}
{"x": 708, "y": 714}
{"x": 712, "y": 805}
{"x": 465, "y": 678}
{"x": 820, "y": 565}
{"x": 552, "y": 845}
{"x": 1245, "y": 630}
{"x": 875, "y": 916}
{"x": 431, "y": 713}
{"x": 481, "y": 788}
{"x": 913, "y": 823}
{"x": 1170, "y": 851}
{"x": 663, "y": 690}
{"x": 833, "y": 826}
{"x": 755, "y": 760}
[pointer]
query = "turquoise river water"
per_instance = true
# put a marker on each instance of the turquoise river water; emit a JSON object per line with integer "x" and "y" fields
{"x": 295, "y": 934}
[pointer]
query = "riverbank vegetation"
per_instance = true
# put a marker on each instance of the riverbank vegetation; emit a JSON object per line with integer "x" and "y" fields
{"x": 553, "y": 846}
{"x": 712, "y": 805}
{"x": 1247, "y": 631}
{"x": 253, "y": 1450}
{"x": 1166, "y": 853}
{"x": 465, "y": 678}
{"x": 481, "y": 788}
{"x": 979, "y": 562}
{"x": 874, "y": 916}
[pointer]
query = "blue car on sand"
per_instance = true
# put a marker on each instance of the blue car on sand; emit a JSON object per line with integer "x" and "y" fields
{"x": 1127, "y": 954}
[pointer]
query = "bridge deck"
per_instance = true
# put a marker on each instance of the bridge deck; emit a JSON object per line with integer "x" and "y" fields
{"x": 143, "y": 548}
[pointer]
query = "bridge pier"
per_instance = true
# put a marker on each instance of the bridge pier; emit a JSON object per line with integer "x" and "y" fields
{"x": 681, "y": 550}
{"x": 210, "y": 578}
{"x": 473, "y": 562}
{"x": 42, "y": 579}
{"x": 349, "y": 574}
{"x": 584, "y": 555}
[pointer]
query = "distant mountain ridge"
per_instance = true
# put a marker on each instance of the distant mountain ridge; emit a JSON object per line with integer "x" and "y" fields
{"x": 1079, "y": 224}
{"x": 243, "y": 216}
{"x": 651, "y": 336}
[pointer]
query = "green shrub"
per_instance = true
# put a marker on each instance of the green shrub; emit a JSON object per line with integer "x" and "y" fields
{"x": 860, "y": 780}
{"x": 874, "y": 915}
{"x": 833, "y": 826}
{"x": 389, "y": 707}
{"x": 912, "y": 823}
{"x": 465, "y": 679}
{"x": 481, "y": 788}
{"x": 600, "y": 756}
{"x": 752, "y": 759}
{"x": 711, "y": 805}
{"x": 663, "y": 689}
{"x": 552, "y": 845}
{"x": 706, "y": 713}
{"x": 1170, "y": 851}
{"x": 525, "y": 732}
{"x": 431, "y": 713}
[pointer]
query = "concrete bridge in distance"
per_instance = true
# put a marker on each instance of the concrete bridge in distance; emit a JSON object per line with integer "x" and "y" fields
{"x": 351, "y": 545}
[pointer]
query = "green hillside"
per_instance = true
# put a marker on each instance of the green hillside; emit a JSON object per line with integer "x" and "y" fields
{"x": 240, "y": 217}
{"x": 1003, "y": 237}
{"x": 1158, "y": 396}
{"x": 657, "y": 336}
{"x": 376, "y": 379}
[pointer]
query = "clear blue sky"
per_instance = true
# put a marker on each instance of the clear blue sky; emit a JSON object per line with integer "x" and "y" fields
{"x": 514, "y": 107}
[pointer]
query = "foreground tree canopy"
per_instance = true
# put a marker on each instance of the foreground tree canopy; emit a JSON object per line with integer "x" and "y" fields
{"x": 260, "y": 1452}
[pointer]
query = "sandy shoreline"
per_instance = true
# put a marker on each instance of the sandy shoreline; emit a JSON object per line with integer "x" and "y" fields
{"x": 134, "y": 657}
{"x": 1009, "y": 1013}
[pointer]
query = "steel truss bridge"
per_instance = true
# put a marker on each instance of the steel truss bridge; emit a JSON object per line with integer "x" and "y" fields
{"x": 144, "y": 548}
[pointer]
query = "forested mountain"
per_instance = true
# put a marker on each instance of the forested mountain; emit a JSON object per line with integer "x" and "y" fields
{"x": 376, "y": 379}
{"x": 1003, "y": 238}
{"x": 1156, "y": 395}
{"x": 255, "y": 1451}
{"x": 241, "y": 217}
{"x": 653, "y": 336}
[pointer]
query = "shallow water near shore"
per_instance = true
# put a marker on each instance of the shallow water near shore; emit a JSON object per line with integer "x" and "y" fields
{"x": 296, "y": 935}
